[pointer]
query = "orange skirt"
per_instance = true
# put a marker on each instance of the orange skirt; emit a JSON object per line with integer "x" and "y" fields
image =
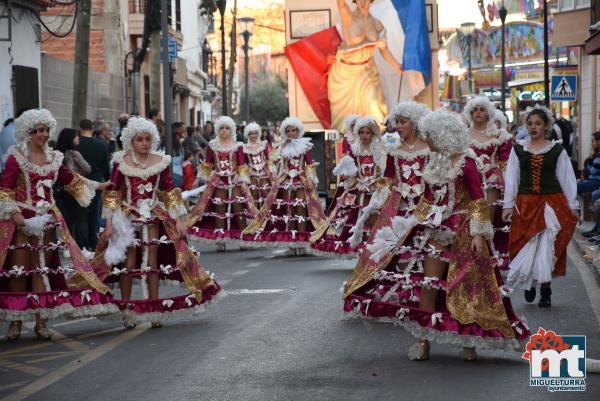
{"x": 528, "y": 221}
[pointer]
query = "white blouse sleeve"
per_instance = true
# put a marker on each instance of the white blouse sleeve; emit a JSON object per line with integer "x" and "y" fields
{"x": 512, "y": 178}
{"x": 567, "y": 180}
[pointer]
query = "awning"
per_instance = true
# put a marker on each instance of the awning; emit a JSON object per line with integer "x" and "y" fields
{"x": 525, "y": 81}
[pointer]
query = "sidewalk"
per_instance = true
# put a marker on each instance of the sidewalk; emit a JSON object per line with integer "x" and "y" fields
{"x": 589, "y": 253}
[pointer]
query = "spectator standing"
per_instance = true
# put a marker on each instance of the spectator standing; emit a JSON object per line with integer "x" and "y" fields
{"x": 190, "y": 145}
{"x": 209, "y": 131}
{"x": 95, "y": 152}
{"x": 123, "y": 118}
{"x": 74, "y": 214}
{"x": 103, "y": 132}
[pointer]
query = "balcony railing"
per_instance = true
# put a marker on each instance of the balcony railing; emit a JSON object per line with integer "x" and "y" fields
{"x": 136, "y": 6}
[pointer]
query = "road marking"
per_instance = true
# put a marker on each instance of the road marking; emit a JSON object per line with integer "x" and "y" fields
{"x": 60, "y": 373}
{"x": 255, "y": 264}
{"x": 263, "y": 291}
{"x": 99, "y": 333}
{"x": 50, "y": 358}
{"x": 12, "y": 385}
{"x": 279, "y": 251}
{"x": 21, "y": 367}
{"x": 69, "y": 342}
{"x": 223, "y": 282}
{"x": 240, "y": 272}
{"x": 72, "y": 321}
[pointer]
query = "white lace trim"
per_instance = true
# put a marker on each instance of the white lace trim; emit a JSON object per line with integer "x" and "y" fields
{"x": 66, "y": 309}
{"x": 295, "y": 148}
{"x": 526, "y": 142}
{"x": 502, "y": 137}
{"x": 440, "y": 169}
{"x": 481, "y": 228}
{"x": 144, "y": 174}
{"x": 54, "y": 158}
{"x": 409, "y": 155}
{"x": 254, "y": 148}
{"x": 215, "y": 145}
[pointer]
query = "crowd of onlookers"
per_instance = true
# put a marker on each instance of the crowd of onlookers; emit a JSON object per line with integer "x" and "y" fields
{"x": 88, "y": 150}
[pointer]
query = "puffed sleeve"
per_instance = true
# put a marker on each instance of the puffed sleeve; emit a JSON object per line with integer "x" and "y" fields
{"x": 111, "y": 197}
{"x": 171, "y": 195}
{"x": 8, "y": 203}
{"x": 566, "y": 179}
{"x": 479, "y": 208}
{"x": 503, "y": 154}
{"x": 205, "y": 169}
{"x": 512, "y": 178}
{"x": 346, "y": 147}
{"x": 79, "y": 187}
{"x": 311, "y": 167}
{"x": 390, "y": 168}
{"x": 242, "y": 168}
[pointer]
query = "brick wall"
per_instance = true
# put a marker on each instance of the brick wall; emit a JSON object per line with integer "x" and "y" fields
{"x": 60, "y": 19}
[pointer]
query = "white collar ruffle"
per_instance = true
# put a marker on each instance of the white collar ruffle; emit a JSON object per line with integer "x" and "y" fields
{"x": 215, "y": 145}
{"x": 20, "y": 152}
{"x": 526, "y": 142}
{"x": 144, "y": 174}
{"x": 295, "y": 148}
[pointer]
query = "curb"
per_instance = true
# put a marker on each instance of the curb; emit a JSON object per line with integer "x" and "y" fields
{"x": 580, "y": 244}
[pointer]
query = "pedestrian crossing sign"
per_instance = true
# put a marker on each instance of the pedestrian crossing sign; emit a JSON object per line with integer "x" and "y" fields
{"x": 564, "y": 88}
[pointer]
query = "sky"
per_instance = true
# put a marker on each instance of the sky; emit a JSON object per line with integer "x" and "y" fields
{"x": 451, "y": 12}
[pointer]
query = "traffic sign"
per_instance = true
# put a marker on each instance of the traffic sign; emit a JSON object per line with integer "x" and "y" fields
{"x": 172, "y": 44}
{"x": 564, "y": 88}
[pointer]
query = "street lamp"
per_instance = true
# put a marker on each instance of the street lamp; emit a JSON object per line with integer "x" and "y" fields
{"x": 222, "y": 4}
{"x": 546, "y": 56}
{"x": 503, "y": 13}
{"x": 467, "y": 29}
{"x": 246, "y": 26}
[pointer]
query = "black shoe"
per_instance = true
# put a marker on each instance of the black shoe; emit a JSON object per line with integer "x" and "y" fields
{"x": 545, "y": 301}
{"x": 530, "y": 295}
{"x": 589, "y": 234}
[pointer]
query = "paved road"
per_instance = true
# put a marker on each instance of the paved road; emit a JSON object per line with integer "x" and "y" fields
{"x": 278, "y": 336}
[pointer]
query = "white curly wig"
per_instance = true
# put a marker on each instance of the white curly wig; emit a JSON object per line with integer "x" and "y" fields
{"x": 291, "y": 122}
{"x": 368, "y": 122}
{"x": 29, "y": 119}
{"x": 253, "y": 126}
{"x": 348, "y": 121}
{"x": 137, "y": 125}
{"x": 225, "y": 121}
{"x": 482, "y": 101}
{"x": 447, "y": 131}
{"x": 412, "y": 110}
{"x": 501, "y": 118}
{"x": 542, "y": 108}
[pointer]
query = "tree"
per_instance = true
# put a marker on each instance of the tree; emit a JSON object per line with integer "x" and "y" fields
{"x": 269, "y": 101}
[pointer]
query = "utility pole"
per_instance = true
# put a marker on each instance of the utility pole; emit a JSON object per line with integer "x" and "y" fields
{"x": 546, "y": 57}
{"x": 222, "y": 7}
{"x": 154, "y": 70}
{"x": 232, "y": 58}
{"x": 503, "y": 13}
{"x": 166, "y": 64}
{"x": 82, "y": 52}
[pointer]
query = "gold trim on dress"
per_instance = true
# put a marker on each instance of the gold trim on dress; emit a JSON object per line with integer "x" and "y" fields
{"x": 7, "y": 195}
{"x": 479, "y": 210}
{"x": 205, "y": 170}
{"x": 111, "y": 200}
{"x": 244, "y": 171}
{"x": 172, "y": 199}
{"x": 422, "y": 209}
{"x": 81, "y": 189}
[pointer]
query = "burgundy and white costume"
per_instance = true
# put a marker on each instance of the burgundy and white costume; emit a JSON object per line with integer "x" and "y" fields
{"x": 292, "y": 209}
{"x": 492, "y": 156}
{"x": 343, "y": 234}
{"x": 140, "y": 197}
{"x": 70, "y": 290}
{"x": 472, "y": 308}
{"x": 218, "y": 219}
{"x": 259, "y": 166}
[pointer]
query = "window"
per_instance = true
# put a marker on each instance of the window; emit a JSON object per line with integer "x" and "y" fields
{"x": 582, "y": 3}
{"x": 211, "y": 23}
{"x": 178, "y": 15}
{"x": 565, "y": 5}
